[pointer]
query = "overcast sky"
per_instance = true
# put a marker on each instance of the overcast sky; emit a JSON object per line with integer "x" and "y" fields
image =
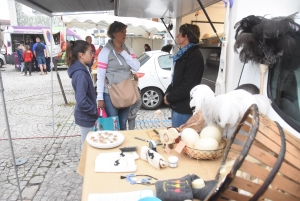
{"x": 4, "y": 13}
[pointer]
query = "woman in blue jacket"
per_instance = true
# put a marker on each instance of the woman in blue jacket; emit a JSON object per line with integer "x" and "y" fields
{"x": 78, "y": 55}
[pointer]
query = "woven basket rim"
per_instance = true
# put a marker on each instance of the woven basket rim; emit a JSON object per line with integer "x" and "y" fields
{"x": 223, "y": 141}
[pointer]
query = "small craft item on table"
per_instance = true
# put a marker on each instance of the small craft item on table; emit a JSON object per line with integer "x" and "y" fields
{"x": 201, "y": 188}
{"x": 168, "y": 137}
{"x": 154, "y": 158}
{"x": 188, "y": 187}
{"x": 133, "y": 179}
{"x": 116, "y": 162}
{"x": 153, "y": 134}
{"x": 174, "y": 189}
{"x": 105, "y": 139}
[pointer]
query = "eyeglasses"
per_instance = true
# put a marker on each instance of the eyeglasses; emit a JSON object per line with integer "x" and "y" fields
{"x": 92, "y": 53}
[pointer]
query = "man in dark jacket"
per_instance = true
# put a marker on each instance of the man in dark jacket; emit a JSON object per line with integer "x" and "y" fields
{"x": 188, "y": 71}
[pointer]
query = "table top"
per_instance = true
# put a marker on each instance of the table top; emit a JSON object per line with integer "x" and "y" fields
{"x": 111, "y": 182}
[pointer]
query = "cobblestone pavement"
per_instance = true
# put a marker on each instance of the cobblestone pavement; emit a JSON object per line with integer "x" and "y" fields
{"x": 52, "y": 153}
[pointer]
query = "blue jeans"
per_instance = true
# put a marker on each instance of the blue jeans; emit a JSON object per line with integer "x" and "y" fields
{"x": 178, "y": 119}
{"x": 112, "y": 111}
{"x": 22, "y": 66}
{"x": 84, "y": 131}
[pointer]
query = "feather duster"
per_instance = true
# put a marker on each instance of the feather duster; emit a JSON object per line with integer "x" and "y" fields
{"x": 264, "y": 41}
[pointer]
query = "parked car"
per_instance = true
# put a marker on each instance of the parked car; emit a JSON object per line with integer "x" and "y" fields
{"x": 154, "y": 77}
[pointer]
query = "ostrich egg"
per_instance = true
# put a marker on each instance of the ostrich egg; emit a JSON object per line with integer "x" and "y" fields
{"x": 207, "y": 144}
{"x": 212, "y": 132}
{"x": 189, "y": 136}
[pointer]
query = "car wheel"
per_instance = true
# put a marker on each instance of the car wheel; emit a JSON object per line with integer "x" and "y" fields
{"x": 1, "y": 63}
{"x": 151, "y": 98}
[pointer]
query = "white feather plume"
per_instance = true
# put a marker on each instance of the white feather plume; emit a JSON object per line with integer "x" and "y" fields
{"x": 227, "y": 110}
{"x": 263, "y": 103}
{"x": 244, "y": 98}
{"x": 201, "y": 95}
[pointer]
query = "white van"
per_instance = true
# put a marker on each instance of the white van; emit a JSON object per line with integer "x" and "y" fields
{"x": 281, "y": 84}
{"x": 2, "y": 60}
{"x": 12, "y": 36}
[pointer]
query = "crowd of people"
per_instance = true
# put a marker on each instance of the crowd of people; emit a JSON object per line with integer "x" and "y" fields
{"x": 33, "y": 57}
{"x": 115, "y": 63}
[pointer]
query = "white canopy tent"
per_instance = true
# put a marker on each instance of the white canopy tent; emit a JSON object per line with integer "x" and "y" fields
{"x": 139, "y": 27}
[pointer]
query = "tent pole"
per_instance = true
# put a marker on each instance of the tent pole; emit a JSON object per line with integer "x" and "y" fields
{"x": 51, "y": 60}
{"x": 8, "y": 131}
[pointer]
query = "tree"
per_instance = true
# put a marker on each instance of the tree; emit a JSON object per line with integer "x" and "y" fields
{"x": 37, "y": 20}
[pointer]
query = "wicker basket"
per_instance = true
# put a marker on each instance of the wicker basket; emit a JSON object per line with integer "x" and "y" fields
{"x": 265, "y": 162}
{"x": 205, "y": 155}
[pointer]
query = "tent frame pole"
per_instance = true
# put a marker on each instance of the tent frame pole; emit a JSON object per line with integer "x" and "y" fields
{"x": 8, "y": 131}
{"x": 52, "y": 90}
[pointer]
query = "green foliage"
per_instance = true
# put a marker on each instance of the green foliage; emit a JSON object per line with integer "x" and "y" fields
{"x": 37, "y": 20}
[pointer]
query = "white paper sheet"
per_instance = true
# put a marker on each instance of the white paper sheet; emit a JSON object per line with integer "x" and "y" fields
{"x": 128, "y": 196}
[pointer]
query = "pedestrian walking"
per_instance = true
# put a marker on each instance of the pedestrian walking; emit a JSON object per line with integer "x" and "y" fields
{"x": 89, "y": 40}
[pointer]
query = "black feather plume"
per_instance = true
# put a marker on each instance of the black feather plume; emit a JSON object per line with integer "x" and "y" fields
{"x": 262, "y": 40}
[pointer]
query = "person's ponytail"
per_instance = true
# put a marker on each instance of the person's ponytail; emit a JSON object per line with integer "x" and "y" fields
{"x": 69, "y": 54}
{"x": 73, "y": 49}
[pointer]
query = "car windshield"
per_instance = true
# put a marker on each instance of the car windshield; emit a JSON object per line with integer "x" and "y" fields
{"x": 285, "y": 87}
{"x": 143, "y": 59}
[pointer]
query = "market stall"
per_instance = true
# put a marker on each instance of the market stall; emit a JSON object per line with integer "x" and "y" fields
{"x": 110, "y": 182}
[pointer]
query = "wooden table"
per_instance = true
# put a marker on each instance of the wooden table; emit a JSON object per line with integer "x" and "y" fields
{"x": 111, "y": 182}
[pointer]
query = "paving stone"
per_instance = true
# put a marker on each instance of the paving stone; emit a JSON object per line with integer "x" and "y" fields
{"x": 41, "y": 171}
{"x": 36, "y": 180}
{"x": 29, "y": 192}
{"x": 55, "y": 159}
{"x": 45, "y": 164}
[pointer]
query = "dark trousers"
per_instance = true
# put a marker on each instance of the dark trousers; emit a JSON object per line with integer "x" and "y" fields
{"x": 48, "y": 60}
{"x": 28, "y": 65}
{"x": 34, "y": 65}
